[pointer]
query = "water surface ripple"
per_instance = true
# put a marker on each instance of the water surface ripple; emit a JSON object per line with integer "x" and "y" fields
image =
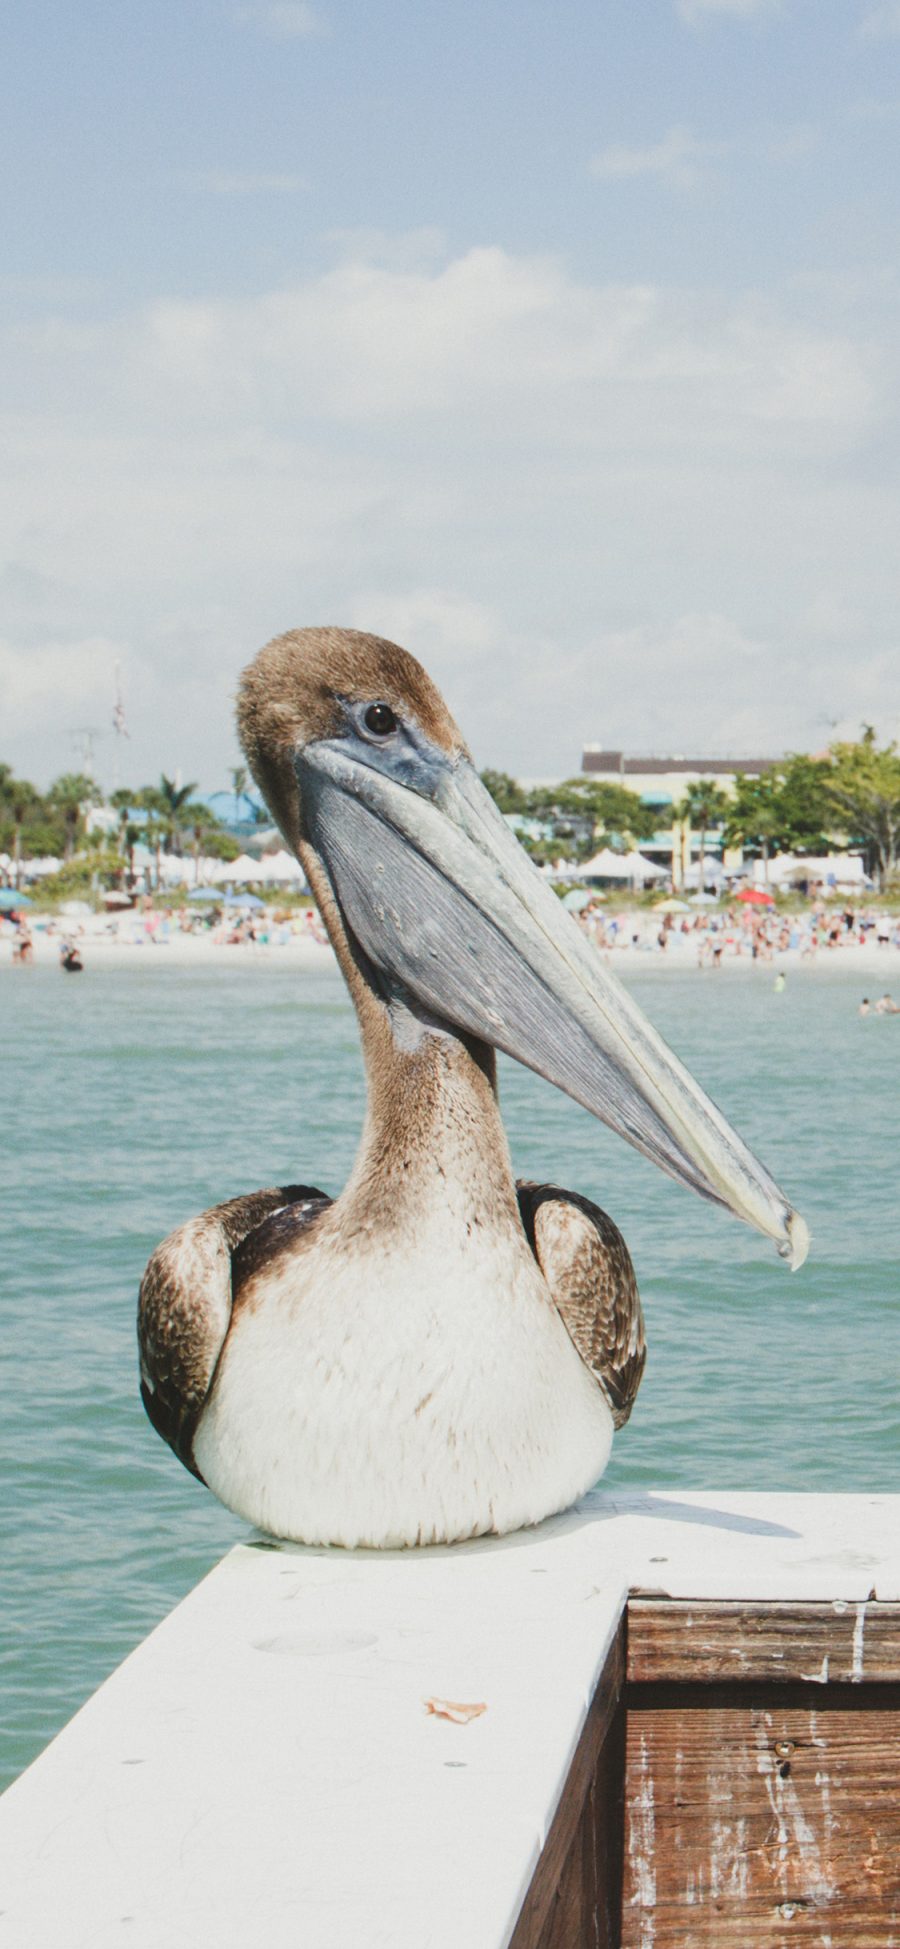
{"x": 135, "y": 1097}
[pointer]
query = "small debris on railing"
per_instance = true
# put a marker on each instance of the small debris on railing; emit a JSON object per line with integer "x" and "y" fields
{"x": 453, "y": 1710}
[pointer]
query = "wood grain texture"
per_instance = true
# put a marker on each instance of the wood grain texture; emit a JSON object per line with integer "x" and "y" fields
{"x": 761, "y": 1822}
{"x": 575, "y": 1894}
{"x": 825, "y": 1643}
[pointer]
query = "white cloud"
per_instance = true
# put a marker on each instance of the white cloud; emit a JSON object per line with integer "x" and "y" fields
{"x": 694, "y": 12}
{"x": 367, "y": 345}
{"x": 679, "y": 160}
{"x": 283, "y": 20}
{"x": 596, "y": 509}
{"x": 58, "y": 689}
{"x": 882, "y": 23}
{"x": 235, "y": 182}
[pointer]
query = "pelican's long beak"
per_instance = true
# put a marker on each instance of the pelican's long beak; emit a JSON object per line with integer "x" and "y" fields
{"x": 444, "y": 901}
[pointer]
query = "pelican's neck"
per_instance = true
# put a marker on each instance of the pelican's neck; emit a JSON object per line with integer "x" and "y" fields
{"x": 433, "y": 1138}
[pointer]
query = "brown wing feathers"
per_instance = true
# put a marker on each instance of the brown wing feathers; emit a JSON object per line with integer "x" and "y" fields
{"x": 588, "y": 1269}
{"x": 184, "y": 1308}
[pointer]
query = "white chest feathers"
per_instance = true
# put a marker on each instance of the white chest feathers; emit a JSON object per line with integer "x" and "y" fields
{"x": 386, "y": 1397}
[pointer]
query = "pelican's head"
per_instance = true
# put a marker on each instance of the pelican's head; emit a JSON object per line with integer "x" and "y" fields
{"x": 360, "y": 761}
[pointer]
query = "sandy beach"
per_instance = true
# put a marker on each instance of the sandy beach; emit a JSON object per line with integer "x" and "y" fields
{"x": 124, "y": 941}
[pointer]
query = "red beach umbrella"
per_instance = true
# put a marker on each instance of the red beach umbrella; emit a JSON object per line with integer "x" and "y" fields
{"x": 755, "y": 897}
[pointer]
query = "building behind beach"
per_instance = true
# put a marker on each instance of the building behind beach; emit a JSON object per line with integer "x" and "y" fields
{"x": 661, "y": 783}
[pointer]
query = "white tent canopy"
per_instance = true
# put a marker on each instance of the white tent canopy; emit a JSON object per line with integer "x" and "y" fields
{"x": 233, "y": 871}
{"x": 280, "y": 869}
{"x": 175, "y": 871}
{"x": 37, "y": 869}
{"x": 844, "y": 869}
{"x": 607, "y": 865}
{"x": 713, "y": 871}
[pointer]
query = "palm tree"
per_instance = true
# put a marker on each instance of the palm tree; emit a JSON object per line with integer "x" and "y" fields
{"x": 20, "y": 798}
{"x": 174, "y": 801}
{"x": 122, "y": 800}
{"x": 149, "y": 800}
{"x": 239, "y": 786}
{"x": 203, "y": 822}
{"x": 69, "y": 795}
{"x": 704, "y": 805}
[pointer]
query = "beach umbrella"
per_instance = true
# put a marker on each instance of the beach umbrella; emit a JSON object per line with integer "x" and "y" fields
{"x": 248, "y": 900}
{"x": 11, "y": 901}
{"x": 671, "y": 906}
{"x": 578, "y": 898}
{"x": 755, "y": 897}
{"x": 702, "y": 900}
{"x": 205, "y": 893}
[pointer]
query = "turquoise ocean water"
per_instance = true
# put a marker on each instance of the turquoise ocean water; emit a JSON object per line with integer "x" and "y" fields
{"x": 134, "y": 1097}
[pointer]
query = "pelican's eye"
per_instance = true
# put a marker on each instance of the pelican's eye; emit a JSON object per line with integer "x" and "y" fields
{"x": 380, "y": 720}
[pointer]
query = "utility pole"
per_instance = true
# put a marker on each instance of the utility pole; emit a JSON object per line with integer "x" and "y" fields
{"x": 83, "y": 739}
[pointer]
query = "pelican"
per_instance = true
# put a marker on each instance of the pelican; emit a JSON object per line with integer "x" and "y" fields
{"x": 438, "y": 1352}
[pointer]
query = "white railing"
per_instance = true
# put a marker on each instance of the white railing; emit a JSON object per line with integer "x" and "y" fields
{"x": 265, "y": 1768}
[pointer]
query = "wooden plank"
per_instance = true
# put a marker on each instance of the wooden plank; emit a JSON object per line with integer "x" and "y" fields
{"x": 824, "y": 1643}
{"x": 586, "y": 1909}
{"x": 605, "y": 1835}
{"x": 574, "y": 1894}
{"x": 762, "y": 1821}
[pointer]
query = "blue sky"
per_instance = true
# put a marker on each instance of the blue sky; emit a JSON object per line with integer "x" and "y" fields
{"x": 559, "y": 342}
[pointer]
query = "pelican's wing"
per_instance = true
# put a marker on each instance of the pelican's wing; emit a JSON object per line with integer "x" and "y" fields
{"x": 587, "y": 1266}
{"x": 184, "y": 1308}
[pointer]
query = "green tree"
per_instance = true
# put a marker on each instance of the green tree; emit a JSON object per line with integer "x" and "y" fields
{"x": 806, "y": 812}
{"x": 18, "y": 799}
{"x": 124, "y": 802}
{"x": 206, "y": 829}
{"x": 863, "y": 787}
{"x": 587, "y": 813}
{"x": 506, "y": 792}
{"x": 177, "y": 812}
{"x": 754, "y": 814}
{"x": 149, "y": 800}
{"x": 69, "y": 797}
{"x": 238, "y": 777}
{"x": 218, "y": 844}
{"x": 704, "y": 805}
{"x": 788, "y": 809}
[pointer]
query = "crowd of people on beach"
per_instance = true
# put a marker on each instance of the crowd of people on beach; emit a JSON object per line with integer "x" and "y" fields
{"x": 225, "y": 926}
{"x": 146, "y": 925}
{"x": 672, "y": 930}
{"x": 754, "y": 933}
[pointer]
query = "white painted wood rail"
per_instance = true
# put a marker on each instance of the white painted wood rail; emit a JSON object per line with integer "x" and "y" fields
{"x": 263, "y": 1769}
